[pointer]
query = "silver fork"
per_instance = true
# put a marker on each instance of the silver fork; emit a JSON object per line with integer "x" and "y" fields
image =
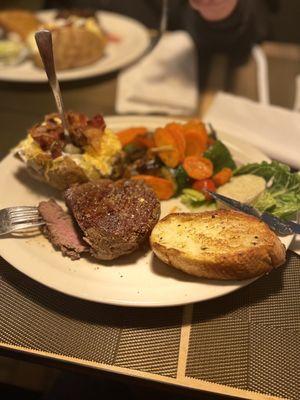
{"x": 19, "y": 218}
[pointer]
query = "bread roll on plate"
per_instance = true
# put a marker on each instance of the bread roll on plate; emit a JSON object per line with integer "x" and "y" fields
{"x": 221, "y": 244}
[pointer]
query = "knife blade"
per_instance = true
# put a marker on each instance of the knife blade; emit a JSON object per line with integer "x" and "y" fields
{"x": 281, "y": 227}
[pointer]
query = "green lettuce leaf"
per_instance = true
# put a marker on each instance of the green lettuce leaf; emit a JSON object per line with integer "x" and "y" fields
{"x": 264, "y": 169}
{"x": 220, "y": 156}
{"x": 192, "y": 198}
{"x": 282, "y": 196}
{"x": 182, "y": 178}
{"x": 265, "y": 202}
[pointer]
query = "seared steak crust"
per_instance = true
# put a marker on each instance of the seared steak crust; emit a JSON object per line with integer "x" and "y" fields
{"x": 115, "y": 217}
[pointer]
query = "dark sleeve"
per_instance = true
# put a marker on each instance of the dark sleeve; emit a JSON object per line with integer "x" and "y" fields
{"x": 234, "y": 35}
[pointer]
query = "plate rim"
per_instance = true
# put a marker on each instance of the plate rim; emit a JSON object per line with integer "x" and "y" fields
{"x": 92, "y": 74}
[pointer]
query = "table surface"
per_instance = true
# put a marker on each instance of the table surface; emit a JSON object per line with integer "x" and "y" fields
{"x": 23, "y": 105}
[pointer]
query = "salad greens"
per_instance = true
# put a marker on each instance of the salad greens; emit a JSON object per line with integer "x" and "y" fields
{"x": 192, "y": 198}
{"x": 196, "y": 201}
{"x": 182, "y": 178}
{"x": 220, "y": 156}
{"x": 178, "y": 176}
{"x": 282, "y": 196}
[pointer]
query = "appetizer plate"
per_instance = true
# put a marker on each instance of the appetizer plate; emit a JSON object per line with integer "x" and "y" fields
{"x": 134, "y": 40}
{"x": 139, "y": 279}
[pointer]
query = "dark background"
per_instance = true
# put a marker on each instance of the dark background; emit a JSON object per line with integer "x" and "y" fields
{"x": 284, "y": 24}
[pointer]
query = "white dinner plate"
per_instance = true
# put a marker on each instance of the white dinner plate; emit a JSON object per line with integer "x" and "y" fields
{"x": 139, "y": 279}
{"x": 134, "y": 40}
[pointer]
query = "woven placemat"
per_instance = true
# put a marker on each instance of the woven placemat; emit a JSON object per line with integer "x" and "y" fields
{"x": 35, "y": 317}
{"x": 245, "y": 344}
{"x": 251, "y": 338}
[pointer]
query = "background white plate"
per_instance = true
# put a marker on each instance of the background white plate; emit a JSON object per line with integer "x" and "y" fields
{"x": 139, "y": 279}
{"x": 134, "y": 40}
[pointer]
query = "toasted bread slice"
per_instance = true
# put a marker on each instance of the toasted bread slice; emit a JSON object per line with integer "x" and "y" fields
{"x": 221, "y": 244}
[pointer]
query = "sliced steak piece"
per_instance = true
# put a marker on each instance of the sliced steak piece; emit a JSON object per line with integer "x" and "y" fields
{"x": 115, "y": 217}
{"x": 61, "y": 230}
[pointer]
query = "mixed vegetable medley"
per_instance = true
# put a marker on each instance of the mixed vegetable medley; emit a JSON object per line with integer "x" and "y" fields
{"x": 184, "y": 159}
{"x": 177, "y": 159}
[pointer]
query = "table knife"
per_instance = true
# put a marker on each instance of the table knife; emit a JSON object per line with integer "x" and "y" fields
{"x": 279, "y": 226}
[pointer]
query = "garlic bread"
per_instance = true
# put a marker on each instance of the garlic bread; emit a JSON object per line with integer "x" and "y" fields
{"x": 222, "y": 244}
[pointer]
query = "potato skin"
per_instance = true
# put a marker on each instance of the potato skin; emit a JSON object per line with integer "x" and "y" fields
{"x": 64, "y": 173}
{"x": 60, "y": 173}
{"x": 74, "y": 47}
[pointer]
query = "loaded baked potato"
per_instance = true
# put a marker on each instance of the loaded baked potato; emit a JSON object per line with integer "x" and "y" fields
{"x": 76, "y": 42}
{"x": 91, "y": 151}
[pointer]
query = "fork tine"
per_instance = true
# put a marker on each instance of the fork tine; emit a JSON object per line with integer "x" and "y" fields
{"x": 22, "y": 213}
{"x": 24, "y": 226}
{"x": 24, "y": 218}
{"x": 19, "y": 211}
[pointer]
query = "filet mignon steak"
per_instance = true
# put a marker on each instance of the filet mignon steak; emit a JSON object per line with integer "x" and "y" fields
{"x": 61, "y": 230}
{"x": 115, "y": 217}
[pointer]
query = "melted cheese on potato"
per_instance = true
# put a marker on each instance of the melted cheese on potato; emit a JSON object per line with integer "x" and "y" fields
{"x": 96, "y": 162}
{"x": 28, "y": 148}
{"x": 103, "y": 157}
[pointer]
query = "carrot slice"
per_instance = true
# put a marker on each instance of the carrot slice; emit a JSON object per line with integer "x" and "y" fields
{"x": 145, "y": 140}
{"x": 198, "y": 167}
{"x": 129, "y": 135}
{"x": 195, "y": 146}
{"x": 163, "y": 188}
{"x": 222, "y": 176}
{"x": 196, "y": 138}
{"x": 171, "y": 135}
{"x": 177, "y": 132}
{"x": 205, "y": 184}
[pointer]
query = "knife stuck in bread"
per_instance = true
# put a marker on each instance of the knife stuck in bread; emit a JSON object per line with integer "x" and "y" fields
{"x": 221, "y": 244}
